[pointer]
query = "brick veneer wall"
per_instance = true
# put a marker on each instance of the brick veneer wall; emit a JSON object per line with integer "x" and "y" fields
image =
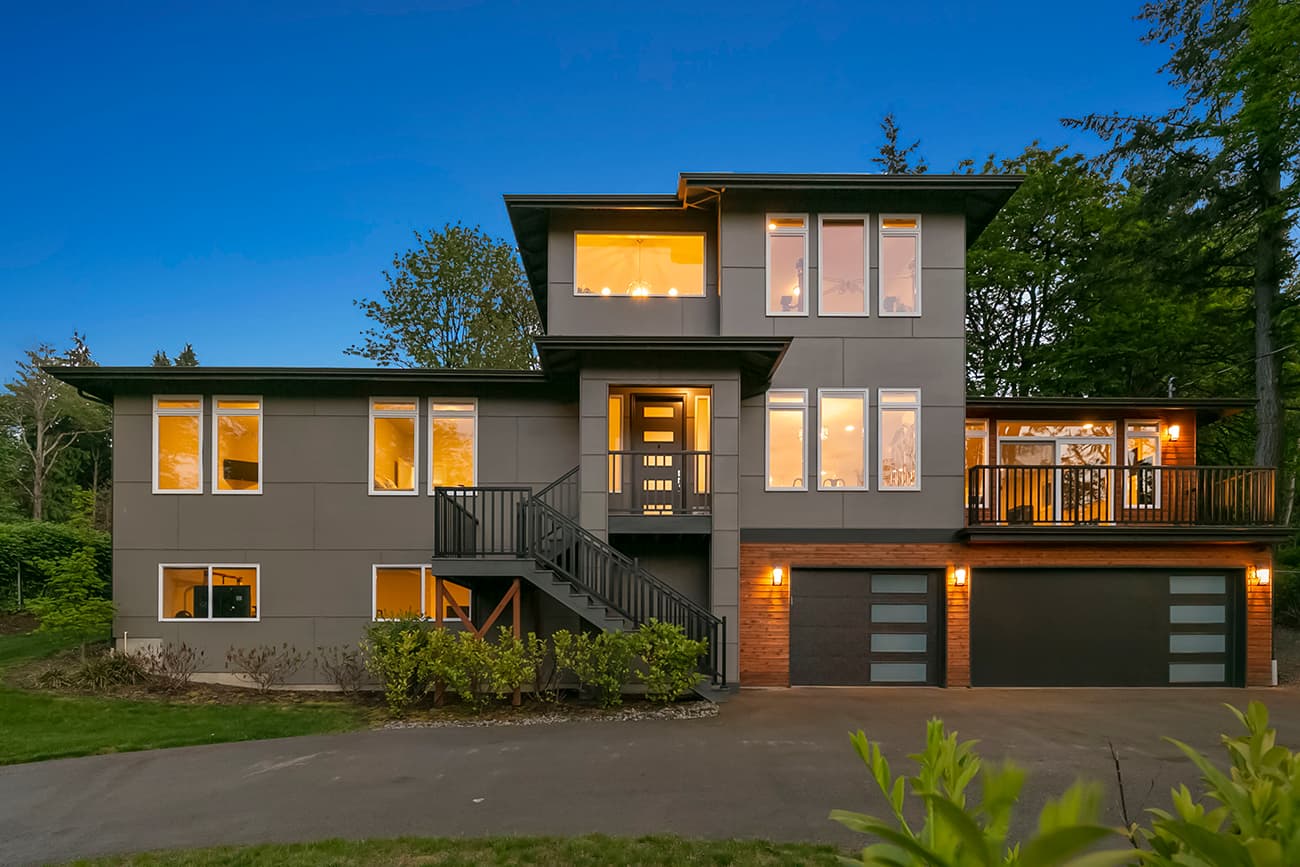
{"x": 765, "y": 609}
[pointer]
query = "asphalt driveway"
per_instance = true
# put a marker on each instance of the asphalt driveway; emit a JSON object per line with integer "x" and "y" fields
{"x": 771, "y": 765}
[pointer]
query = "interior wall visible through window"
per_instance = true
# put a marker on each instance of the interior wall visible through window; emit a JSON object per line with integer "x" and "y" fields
{"x": 393, "y": 454}
{"x": 900, "y": 439}
{"x": 453, "y": 434}
{"x": 640, "y": 265}
{"x": 842, "y": 453}
{"x": 787, "y": 258}
{"x": 900, "y": 261}
{"x": 193, "y": 592}
{"x": 842, "y": 266}
{"x": 178, "y": 445}
{"x": 237, "y": 445}
{"x": 401, "y": 592}
{"x": 787, "y": 416}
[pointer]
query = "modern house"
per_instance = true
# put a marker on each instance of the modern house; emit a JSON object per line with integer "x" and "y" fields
{"x": 750, "y": 419}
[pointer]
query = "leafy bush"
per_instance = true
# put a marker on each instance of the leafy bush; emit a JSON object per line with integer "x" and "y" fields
{"x": 73, "y": 602}
{"x": 97, "y": 673}
{"x": 170, "y": 665}
{"x": 602, "y": 661}
{"x": 265, "y": 664}
{"x": 959, "y": 834}
{"x": 396, "y": 652}
{"x": 29, "y": 545}
{"x": 344, "y": 666}
{"x": 466, "y": 666}
{"x": 670, "y": 659}
{"x": 513, "y": 662}
{"x": 546, "y": 673}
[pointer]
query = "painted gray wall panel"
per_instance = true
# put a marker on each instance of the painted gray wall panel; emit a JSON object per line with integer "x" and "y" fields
{"x": 142, "y": 519}
{"x": 133, "y": 465}
{"x": 683, "y": 564}
{"x": 281, "y": 517}
{"x": 314, "y": 449}
{"x": 944, "y": 299}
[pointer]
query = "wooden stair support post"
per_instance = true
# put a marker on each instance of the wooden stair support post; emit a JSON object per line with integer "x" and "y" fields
{"x": 511, "y": 598}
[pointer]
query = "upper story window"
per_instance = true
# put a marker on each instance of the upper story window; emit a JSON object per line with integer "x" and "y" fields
{"x": 642, "y": 265}
{"x": 842, "y": 265}
{"x": 900, "y": 439}
{"x": 842, "y": 445}
{"x": 787, "y": 453}
{"x": 1142, "y": 455}
{"x": 394, "y": 459}
{"x": 900, "y": 265}
{"x": 787, "y": 257}
{"x": 237, "y": 445}
{"x": 977, "y": 454}
{"x": 178, "y": 445}
{"x": 453, "y": 455}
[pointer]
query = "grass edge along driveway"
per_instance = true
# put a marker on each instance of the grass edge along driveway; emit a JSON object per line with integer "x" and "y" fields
{"x": 44, "y": 725}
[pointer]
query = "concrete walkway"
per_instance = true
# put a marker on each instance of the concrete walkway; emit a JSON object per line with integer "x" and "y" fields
{"x": 772, "y": 765}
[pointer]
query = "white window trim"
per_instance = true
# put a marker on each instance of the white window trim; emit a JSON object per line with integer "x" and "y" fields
{"x": 767, "y": 436}
{"x": 216, "y": 441}
{"x": 444, "y": 413}
{"x": 191, "y": 413}
{"x": 866, "y": 263}
{"x": 865, "y": 395}
{"x": 767, "y": 263}
{"x": 704, "y": 264}
{"x": 880, "y": 271}
{"x": 1156, "y": 435}
{"x": 370, "y": 443}
{"x": 425, "y": 577}
{"x": 256, "y": 567}
{"x": 881, "y": 408}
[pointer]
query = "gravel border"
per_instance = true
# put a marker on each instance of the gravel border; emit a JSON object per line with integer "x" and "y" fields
{"x": 684, "y": 711}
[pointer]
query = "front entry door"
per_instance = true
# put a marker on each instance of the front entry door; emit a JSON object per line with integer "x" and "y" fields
{"x": 658, "y": 441}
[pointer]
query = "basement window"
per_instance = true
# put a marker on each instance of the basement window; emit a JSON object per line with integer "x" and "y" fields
{"x": 394, "y": 461}
{"x": 177, "y": 445}
{"x": 203, "y": 592}
{"x": 400, "y": 592}
{"x": 237, "y": 455}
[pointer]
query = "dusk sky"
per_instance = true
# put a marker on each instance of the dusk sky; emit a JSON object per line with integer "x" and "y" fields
{"x": 234, "y": 175}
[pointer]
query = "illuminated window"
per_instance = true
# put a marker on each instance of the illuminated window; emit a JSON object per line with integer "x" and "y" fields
{"x": 178, "y": 445}
{"x": 787, "y": 413}
{"x": 615, "y": 428}
{"x": 411, "y": 591}
{"x": 237, "y": 453}
{"x": 842, "y": 444}
{"x": 703, "y": 441}
{"x": 842, "y": 266}
{"x": 191, "y": 592}
{"x": 453, "y": 455}
{"x": 900, "y": 266}
{"x": 787, "y": 253}
{"x": 1142, "y": 456}
{"x": 394, "y": 462}
{"x": 977, "y": 453}
{"x": 900, "y": 439}
{"x": 639, "y": 265}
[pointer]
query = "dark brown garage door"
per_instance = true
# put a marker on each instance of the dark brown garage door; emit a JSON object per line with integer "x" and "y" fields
{"x": 1106, "y": 627}
{"x": 850, "y": 627}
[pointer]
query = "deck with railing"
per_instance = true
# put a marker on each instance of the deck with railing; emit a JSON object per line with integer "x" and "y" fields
{"x": 660, "y": 483}
{"x": 1122, "y": 496}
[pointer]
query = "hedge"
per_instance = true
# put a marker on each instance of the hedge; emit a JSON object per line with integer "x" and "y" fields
{"x": 27, "y": 543}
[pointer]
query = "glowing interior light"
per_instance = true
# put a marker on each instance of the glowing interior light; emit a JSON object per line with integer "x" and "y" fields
{"x": 771, "y": 226}
{"x": 849, "y": 428}
{"x": 604, "y": 290}
{"x": 672, "y": 290}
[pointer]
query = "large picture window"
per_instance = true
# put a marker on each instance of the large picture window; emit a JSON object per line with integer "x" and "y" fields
{"x": 394, "y": 458}
{"x": 453, "y": 436}
{"x": 237, "y": 445}
{"x": 178, "y": 445}
{"x": 900, "y": 266}
{"x": 842, "y": 444}
{"x": 668, "y": 265}
{"x": 787, "y": 257}
{"x": 787, "y": 461}
{"x": 842, "y": 266}
{"x": 900, "y": 439}
{"x": 204, "y": 592}
{"x": 411, "y": 591}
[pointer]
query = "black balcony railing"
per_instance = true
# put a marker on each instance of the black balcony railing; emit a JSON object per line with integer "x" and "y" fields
{"x": 1146, "y": 496}
{"x": 478, "y": 522}
{"x": 660, "y": 483}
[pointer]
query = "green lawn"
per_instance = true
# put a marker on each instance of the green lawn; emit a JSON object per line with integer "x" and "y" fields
{"x": 38, "y": 725}
{"x": 595, "y": 850}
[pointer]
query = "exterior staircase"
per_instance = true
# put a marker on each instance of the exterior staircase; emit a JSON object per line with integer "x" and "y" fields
{"x": 510, "y": 530}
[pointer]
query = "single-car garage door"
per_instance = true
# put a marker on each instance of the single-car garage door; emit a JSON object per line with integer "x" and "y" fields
{"x": 1106, "y": 627}
{"x": 851, "y": 627}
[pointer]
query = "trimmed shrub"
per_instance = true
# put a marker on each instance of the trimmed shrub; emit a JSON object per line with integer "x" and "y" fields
{"x": 602, "y": 661}
{"x": 396, "y": 652}
{"x": 170, "y": 665}
{"x": 546, "y": 674}
{"x": 265, "y": 664}
{"x": 670, "y": 658}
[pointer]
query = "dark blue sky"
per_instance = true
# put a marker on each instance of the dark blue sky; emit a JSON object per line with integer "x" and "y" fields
{"x": 234, "y": 175}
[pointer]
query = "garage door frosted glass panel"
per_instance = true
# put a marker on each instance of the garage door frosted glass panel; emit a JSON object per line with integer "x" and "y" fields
{"x": 893, "y": 642}
{"x": 1189, "y": 672}
{"x": 1197, "y": 644}
{"x": 897, "y": 672}
{"x": 899, "y": 583}
{"x": 898, "y": 613}
{"x": 1197, "y": 614}
{"x": 1209, "y": 584}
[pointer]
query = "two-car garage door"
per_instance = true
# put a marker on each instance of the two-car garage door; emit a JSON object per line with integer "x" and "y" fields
{"x": 1106, "y": 627}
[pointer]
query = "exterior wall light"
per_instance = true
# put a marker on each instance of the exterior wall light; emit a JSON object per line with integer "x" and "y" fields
{"x": 778, "y": 575}
{"x": 1263, "y": 575}
{"x": 959, "y": 576}
{"x": 1174, "y": 431}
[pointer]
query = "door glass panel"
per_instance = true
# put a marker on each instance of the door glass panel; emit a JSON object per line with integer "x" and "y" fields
{"x": 1026, "y": 495}
{"x": 1183, "y": 643}
{"x": 657, "y": 412}
{"x": 898, "y": 613}
{"x": 1197, "y": 614}
{"x": 898, "y": 672}
{"x": 892, "y": 642}
{"x": 1196, "y": 672}
{"x": 1196, "y": 583}
{"x": 899, "y": 583}
{"x": 657, "y": 436}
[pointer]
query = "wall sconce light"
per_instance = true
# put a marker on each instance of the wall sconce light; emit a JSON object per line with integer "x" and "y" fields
{"x": 959, "y": 576}
{"x": 1263, "y": 575}
{"x": 1174, "y": 431}
{"x": 778, "y": 575}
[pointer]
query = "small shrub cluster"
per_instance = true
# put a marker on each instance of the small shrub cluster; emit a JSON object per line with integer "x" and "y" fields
{"x": 344, "y": 666}
{"x": 265, "y": 665}
{"x": 170, "y": 665}
{"x": 97, "y": 674}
